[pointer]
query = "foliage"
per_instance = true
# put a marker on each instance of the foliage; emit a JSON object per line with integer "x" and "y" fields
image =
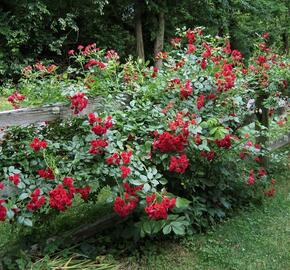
{"x": 174, "y": 156}
{"x": 39, "y": 29}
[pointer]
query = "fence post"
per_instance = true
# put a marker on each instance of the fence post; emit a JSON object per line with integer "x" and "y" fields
{"x": 263, "y": 119}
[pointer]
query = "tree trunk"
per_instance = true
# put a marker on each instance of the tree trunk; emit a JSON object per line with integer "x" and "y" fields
{"x": 285, "y": 39}
{"x": 232, "y": 29}
{"x": 159, "y": 41}
{"x": 139, "y": 31}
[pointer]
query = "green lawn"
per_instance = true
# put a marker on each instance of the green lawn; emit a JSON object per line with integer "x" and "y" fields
{"x": 4, "y": 104}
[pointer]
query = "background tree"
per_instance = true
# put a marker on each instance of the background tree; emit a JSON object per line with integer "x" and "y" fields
{"x": 37, "y": 29}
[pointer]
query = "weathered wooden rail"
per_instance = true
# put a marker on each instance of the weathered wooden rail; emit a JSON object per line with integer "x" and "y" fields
{"x": 47, "y": 113}
{"x": 280, "y": 142}
{"x": 54, "y": 112}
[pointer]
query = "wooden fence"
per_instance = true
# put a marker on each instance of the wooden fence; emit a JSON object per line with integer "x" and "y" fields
{"x": 29, "y": 116}
{"x": 60, "y": 111}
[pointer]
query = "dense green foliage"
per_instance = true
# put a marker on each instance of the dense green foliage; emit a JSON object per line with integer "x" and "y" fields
{"x": 36, "y": 29}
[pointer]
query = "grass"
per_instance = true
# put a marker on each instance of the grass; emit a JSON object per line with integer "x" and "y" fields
{"x": 256, "y": 240}
{"x": 4, "y": 104}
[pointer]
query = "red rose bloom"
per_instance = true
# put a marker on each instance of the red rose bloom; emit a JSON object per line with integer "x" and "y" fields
{"x": 156, "y": 210}
{"x": 47, "y": 174}
{"x": 36, "y": 201}
{"x": 78, "y": 102}
{"x": 59, "y": 198}
{"x": 84, "y": 192}
{"x": 178, "y": 164}
{"x": 126, "y": 156}
{"x": 37, "y": 144}
{"x": 125, "y": 171}
{"x": 99, "y": 130}
{"x": 15, "y": 178}
{"x": 113, "y": 159}
{"x": 97, "y": 146}
{"x": 123, "y": 207}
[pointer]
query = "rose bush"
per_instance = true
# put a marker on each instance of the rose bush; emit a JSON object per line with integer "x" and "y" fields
{"x": 175, "y": 155}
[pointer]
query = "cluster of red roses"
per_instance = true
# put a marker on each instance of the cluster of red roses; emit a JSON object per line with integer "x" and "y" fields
{"x": 208, "y": 155}
{"x": 166, "y": 142}
{"x": 15, "y": 178}
{"x": 36, "y": 200}
{"x": 39, "y": 67}
{"x": 182, "y": 123}
{"x": 200, "y": 101}
{"x": 47, "y": 174}
{"x": 270, "y": 193}
{"x": 125, "y": 205}
{"x": 225, "y": 142}
{"x": 93, "y": 62}
{"x": 79, "y": 101}
{"x": 225, "y": 78}
{"x": 15, "y": 98}
{"x": 158, "y": 210}
{"x": 61, "y": 197}
{"x": 85, "y": 50}
{"x": 264, "y": 61}
{"x": 101, "y": 126}
{"x": 112, "y": 55}
{"x": 38, "y": 144}
{"x": 185, "y": 90}
{"x": 124, "y": 158}
{"x": 178, "y": 164}
{"x": 97, "y": 146}
{"x": 155, "y": 72}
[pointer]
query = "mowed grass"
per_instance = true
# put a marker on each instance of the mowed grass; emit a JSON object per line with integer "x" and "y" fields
{"x": 255, "y": 239}
{"x": 4, "y": 104}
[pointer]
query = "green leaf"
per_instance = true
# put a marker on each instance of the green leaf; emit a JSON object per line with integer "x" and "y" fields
{"x": 143, "y": 178}
{"x": 147, "y": 227}
{"x": 167, "y": 229}
{"x": 179, "y": 230}
{"x": 27, "y": 222}
{"x": 182, "y": 202}
{"x": 154, "y": 170}
{"x": 225, "y": 203}
{"x": 23, "y": 196}
{"x": 136, "y": 182}
{"x": 156, "y": 226}
{"x": 120, "y": 145}
{"x": 163, "y": 181}
{"x": 146, "y": 187}
{"x": 150, "y": 175}
{"x": 10, "y": 214}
